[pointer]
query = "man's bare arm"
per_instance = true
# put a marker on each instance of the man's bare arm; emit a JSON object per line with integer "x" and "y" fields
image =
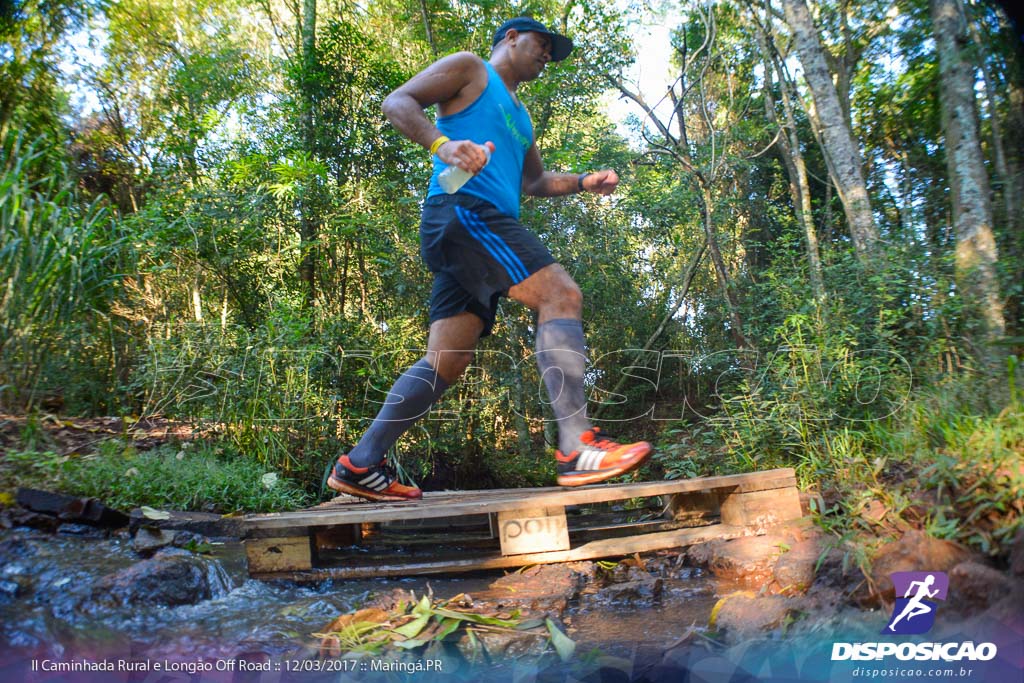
{"x": 540, "y": 183}
{"x": 441, "y": 83}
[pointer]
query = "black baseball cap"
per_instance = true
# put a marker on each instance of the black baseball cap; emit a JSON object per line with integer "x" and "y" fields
{"x": 560, "y": 45}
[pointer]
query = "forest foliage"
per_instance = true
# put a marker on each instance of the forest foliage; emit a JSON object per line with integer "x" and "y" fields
{"x": 205, "y": 217}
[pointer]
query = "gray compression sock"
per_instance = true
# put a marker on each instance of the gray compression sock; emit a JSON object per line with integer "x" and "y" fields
{"x": 408, "y": 400}
{"x": 562, "y": 360}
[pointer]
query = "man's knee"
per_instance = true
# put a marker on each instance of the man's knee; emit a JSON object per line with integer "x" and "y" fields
{"x": 570, "y": 293}
{"x": 564, "y": 294}
{"x": 558, "y": 287}
{"x": 451, "y": 364}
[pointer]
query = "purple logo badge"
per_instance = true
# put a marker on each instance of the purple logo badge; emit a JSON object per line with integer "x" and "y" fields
{"x": 914, "y": 611}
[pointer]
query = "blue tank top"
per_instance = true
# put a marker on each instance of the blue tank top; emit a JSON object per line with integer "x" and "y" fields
{"x": 493, "y": 116}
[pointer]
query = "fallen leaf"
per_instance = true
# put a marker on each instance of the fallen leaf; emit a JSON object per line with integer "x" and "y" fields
{"x": 152, "y": 513}
{"x": 564, "y": 646}
{"x": 372, "y": 615}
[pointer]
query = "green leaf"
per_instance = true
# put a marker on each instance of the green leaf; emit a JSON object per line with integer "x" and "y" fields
{"x": 448, "y": 627}
{"x": 414, "y": 627}
{"x": 564, "y": 646}
{"x": 529, "y": 623}
{"x": 475, "y": 618}
{"x": 410, "y": 644}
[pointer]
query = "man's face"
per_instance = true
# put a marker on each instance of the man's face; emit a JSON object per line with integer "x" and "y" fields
{"x": 534, "y": 50}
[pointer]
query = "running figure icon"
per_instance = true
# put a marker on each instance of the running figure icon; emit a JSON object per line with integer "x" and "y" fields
{"x": 916, "y": 606}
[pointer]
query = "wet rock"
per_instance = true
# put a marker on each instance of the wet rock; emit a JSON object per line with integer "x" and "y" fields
{"x": 16, "y": 547}
{"x": 500, "y": 644}
{"x": 538, "y": 592}
{"x": 206, "y": 524}
{"x": 1017, "y": 553}
{"x": 794, "y": 571}
{"x": 645, "y": 589}
{"x": 619, "y": 573}
{"x": 19, "y": 517}
{"x": 188, "y": 540}
{"x": 797, "y": 530}
{"x": 913, "y": 551}
{"x": 585, "y": 572}
{"x": 975, "y": 587}
{"x": 148, "y": 540}
{"x": 996, "y": 624}
{"x": 741, "y": 616}
{"x": 82, "y": 531}
{"x": 1008, "y": 609}
{"x": 390, "y": 600}
{"x": 171, "y": 577}
{"x": 70, "y": 508}
{"x": 544, "y": 589}
{"x": 747, "y": 562}
{"x": 700, "y": 554}
{"x": 665, "y": 563}
{"x": 9, "y": 590}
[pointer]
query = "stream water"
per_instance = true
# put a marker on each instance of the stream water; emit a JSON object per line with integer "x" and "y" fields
{"x": 50, "y": 607}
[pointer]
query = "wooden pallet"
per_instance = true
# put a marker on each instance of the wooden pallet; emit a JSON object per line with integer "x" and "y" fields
{"x": 451, "y": 531}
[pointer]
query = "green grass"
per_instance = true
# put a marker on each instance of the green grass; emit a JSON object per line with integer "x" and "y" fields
{"x": 950, "y": 461}
{"x": 194, "y": 477}
{"x": 943, "y": 465}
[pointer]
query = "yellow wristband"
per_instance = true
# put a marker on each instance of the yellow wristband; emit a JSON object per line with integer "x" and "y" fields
{"x": 436, "y": 145}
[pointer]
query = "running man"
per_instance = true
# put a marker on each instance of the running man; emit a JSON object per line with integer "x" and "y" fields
{"x": 478, "y": 251}
{"x": 916, "y": 607}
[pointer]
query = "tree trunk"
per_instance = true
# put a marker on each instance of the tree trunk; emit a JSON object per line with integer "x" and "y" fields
{"x": 846, "y": 164}
{"x": 976, "y": 253}
{"x": 793, "y": 158}
{"x": 197, "y": 302}
{"x": 343, "y": 287}
{"x": 1010, "y": 198}
{"x": 721, "y": 273}
{"x": 308, "y": 227}
{"x": 524, "y": 440}
{"x": 1015, "y": 167}
{"x": 427, "y": 28}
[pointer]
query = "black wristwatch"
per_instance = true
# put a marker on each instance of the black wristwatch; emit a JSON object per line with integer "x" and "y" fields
{"x": 579, "y": 181}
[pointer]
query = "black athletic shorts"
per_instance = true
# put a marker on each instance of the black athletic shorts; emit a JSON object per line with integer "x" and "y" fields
{"x": 476, "y": 254}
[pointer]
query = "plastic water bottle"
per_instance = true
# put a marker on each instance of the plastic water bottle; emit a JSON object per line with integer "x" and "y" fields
{"x": 453, "y": 177}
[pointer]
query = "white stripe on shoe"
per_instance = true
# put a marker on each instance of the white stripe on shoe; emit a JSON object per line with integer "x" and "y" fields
{"x": 375, "y": 481}
{"x": 589, "y": 459}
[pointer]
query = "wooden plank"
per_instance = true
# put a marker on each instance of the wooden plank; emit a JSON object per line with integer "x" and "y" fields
{"x": 268, "y": 555}
{"x": 762, "y": 508}
{"x": 446, "y": 524}
{"x": 616, "y": 547}
{"x": 453, "y": 504}
{"x": 533, "y": 530}
{"x": 383, "y": 547}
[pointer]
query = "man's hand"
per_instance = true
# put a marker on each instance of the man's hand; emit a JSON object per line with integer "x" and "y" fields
{"x": 601, "y": 182}
{"x": 465, "y": 154}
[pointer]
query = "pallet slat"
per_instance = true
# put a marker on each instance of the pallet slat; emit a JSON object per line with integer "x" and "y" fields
{"x": 451, "y": 531}
{"x": 615, "y": 547}
{"x": 457, "y": 504}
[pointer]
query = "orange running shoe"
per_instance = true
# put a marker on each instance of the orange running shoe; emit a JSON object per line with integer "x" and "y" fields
{"x": 599, "y": 459}
{"x": 372, "y": 483}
